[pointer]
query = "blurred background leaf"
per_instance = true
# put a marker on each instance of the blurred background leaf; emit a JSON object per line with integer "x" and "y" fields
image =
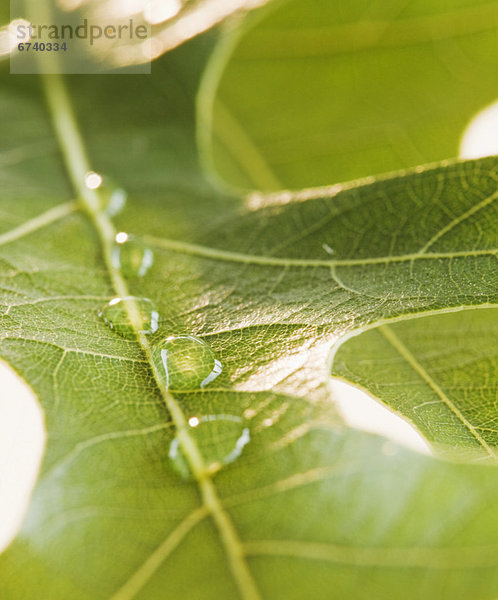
{"x": 314, "y": 93}
{"x": 170, "y": 23}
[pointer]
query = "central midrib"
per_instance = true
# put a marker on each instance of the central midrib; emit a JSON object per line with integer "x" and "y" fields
{"x": 78, "y": 166}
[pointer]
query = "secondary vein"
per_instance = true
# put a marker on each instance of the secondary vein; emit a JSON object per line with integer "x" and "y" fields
{"x": 147, "y": 569}
{"x": 78, "y": 166}
{"x": 39, "y": 222}
{"x": 387, "y": 557}
{"x": 460, "y": 219}
{"x": 230, "y": 256}
{"x": 405, "y": 353}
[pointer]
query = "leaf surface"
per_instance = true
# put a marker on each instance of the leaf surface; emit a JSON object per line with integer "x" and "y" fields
{"x": 309, "y": 508}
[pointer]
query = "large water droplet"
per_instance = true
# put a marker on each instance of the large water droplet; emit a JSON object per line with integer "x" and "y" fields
{"x": 219, "y": 438}
{"x": 185, "y": 362}
{"x": 117, "y": 315}
{"x": 130, "y": 256}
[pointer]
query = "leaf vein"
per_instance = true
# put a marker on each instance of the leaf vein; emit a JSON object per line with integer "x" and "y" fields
{"x": 273, "y": 261}
{"x": 428, "y": 558}
{"x": 404, "y": 352}
{"x": 44, "y": 220}
{"x": 457, "y": 221}
{"x": 78, "y": 165}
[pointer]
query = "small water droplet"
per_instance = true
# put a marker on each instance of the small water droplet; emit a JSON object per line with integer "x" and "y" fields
{"x": 121, "y": 237}
{"x": 112, "y": 197}
{"x": 219, "y": 438}
{"x": 93, "y": 180}
{"x": 132, "y": 257}
{"x": 185, "y": 362}
{"x": 116, "y": 315}
{"x": 116, "y": 201}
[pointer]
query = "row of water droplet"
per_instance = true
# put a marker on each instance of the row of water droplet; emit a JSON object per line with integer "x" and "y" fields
{"x": 184, "y": 363}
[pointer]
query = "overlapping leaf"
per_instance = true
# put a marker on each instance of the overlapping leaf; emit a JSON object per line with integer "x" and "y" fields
{"x": 440, "y": 372}
{"x": 373, "y": 79}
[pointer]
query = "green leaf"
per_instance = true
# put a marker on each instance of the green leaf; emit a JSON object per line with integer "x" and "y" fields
{"x": 315, "y": 93}
{"x": 309, "y": 509}
{"x": 422, "y": 369}
{"x": 361, "y": 90}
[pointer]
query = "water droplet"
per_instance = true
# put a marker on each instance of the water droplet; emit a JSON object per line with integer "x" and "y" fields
{"x": 115, "y": 201}
{"x": 117, "y": 313}
{"x": 219, "y": 438}
{"x": 185, "y": 362}
{"x": 93, "y": 180}
{"x": 112, "y": 197}
{"x": 121, "y": 237}
{"x": 132, "y": 257}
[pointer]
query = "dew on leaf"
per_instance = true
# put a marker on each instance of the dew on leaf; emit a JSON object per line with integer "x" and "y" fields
{"x": 112, "y": 197}
{"x": 185, "y": 362}
{"x": 113, "y": 200}
{"x": 122, "y": 237}
{"x": 116, "y": 314}
{"x": 93, "y": 180}
{"x": 130, "y": 256}
{"x": 220, "y": 439}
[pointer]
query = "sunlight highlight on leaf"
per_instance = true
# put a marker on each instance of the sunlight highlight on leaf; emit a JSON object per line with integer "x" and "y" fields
{"x": 8, "y": 39}
{"x": 480, "y": 137}
{"x": 172, "y": 22}
{"x": 22, "y": 441}
{"x": 361, "y": 411}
